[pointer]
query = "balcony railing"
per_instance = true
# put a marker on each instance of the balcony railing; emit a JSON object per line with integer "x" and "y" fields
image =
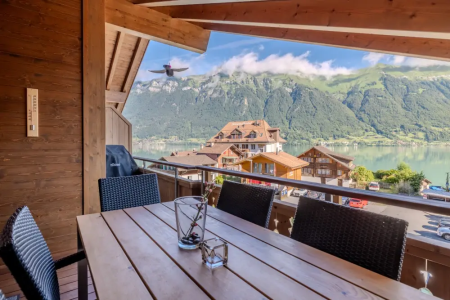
{"x": 421, "y": 253}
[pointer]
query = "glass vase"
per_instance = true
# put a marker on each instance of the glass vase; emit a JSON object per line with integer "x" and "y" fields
{"x": 190, "y": 214}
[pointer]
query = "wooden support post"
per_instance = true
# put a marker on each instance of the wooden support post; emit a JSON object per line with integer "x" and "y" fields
{"x": 94, "y": 156}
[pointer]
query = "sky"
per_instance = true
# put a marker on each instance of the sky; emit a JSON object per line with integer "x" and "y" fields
{"x": 229, "y": 53}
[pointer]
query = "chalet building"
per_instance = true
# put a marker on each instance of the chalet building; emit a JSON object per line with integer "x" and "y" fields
{"x": 192, "y": 160}
{"x": 250, "y": 137}
{"x": 279, "y": 164}
{"x": 224, "y": 154}
{"x": 326, "y": 166}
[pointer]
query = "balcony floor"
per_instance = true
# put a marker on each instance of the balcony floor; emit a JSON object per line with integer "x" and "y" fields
{"x": 68, "y": 283}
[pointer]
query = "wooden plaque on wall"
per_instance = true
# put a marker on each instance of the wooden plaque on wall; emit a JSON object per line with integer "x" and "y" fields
{"x": 32, "y": 113}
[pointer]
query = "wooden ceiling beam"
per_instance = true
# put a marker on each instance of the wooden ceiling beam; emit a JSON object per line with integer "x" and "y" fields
{"x": 159, "y": 3}
{"x": 115, "y": 59}
{"x": 152, "y": 25}
{"x": 418, "y": 47}
{"x": 409, "y": 18}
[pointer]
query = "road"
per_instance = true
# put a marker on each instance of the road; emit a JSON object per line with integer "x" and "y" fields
{"x": 420, "y": 222}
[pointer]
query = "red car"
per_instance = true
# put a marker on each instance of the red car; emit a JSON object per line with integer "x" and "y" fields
{"x": 357, "y": 203}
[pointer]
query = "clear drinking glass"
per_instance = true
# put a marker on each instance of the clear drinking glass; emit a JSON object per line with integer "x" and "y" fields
{"x": 190, "y": 213}
{"x": 214, "y": 253}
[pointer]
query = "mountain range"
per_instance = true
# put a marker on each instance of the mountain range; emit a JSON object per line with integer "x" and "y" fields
{"x": 380, "y": 104}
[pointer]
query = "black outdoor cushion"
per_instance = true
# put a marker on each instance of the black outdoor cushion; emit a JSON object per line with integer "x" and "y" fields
{"x": 128, "y": 191}
{"x": 372, "y": 241}
{"x": 249, "y": 202}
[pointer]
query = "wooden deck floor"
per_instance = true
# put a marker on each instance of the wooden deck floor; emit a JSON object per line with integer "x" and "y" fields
{"x": 68, "y": 283}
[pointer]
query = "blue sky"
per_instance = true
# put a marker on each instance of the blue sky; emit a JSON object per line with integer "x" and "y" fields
{"x": 230, "y": 53}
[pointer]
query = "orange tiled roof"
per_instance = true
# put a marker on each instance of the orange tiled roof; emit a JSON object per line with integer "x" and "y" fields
{"x": 264, "y": 133}
{"x": 281, "y": 158}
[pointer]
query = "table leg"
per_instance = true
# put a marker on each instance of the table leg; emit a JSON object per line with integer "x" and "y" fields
{"x": 82, "y": 274}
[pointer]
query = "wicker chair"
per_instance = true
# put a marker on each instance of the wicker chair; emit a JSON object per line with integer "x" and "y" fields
{"x": 370, "y": 240}
{"x": 128, "y": 191}
{"x": 248, "y": 202}
{"x": 25, "y": 253}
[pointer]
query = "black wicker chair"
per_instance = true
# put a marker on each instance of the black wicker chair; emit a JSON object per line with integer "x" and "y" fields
{"x": 370, "y": 240}
{"x": 128, "y": 191}
{"x": 25, "y": 253}
{"x": 248, "y": 202}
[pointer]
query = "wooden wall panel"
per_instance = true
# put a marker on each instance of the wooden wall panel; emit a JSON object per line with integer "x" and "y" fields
{"x": 118, "y": 129}
{"x": 40, "y": 47}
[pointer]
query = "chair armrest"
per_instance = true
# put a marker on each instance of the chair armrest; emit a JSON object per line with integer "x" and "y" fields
{"x": 68, "y": 260}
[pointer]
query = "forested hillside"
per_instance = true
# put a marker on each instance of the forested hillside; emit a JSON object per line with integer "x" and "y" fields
{"x": 379, "y": 103}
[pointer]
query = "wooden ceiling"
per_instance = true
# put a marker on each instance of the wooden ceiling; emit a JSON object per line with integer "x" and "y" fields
{"x": 419, "y": 28}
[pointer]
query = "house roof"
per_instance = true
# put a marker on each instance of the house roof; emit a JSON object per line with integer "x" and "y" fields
{"x": 264, "y": 133}
{"x": 193, "y": 160}
{"x": 184, "y": 153}
{"x": 218, "y": 149}
{"x": 340, "y": 158}
{"x": 281, "y": 158}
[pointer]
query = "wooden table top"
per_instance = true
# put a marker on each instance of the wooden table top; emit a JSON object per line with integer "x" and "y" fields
{"x": 133, "y": 254}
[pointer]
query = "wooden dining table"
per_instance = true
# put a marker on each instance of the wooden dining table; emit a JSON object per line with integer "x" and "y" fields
{"x": 134, "y": 254}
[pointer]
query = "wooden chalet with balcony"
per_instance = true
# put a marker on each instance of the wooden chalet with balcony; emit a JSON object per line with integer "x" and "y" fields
{"x": 224, "y": 154}
{"x": 250, "y": 137}
{"x": 326, "y": 164}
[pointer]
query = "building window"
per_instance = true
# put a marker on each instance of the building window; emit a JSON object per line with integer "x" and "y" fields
{"x": 307, "y": 159}
{"x": 324, "y": 160}
{"x": 253, "y": 146}
{"x": 339, "y": 172}
{"x": 220, "y": 136}
{"x": 237, "y": 146}
{"x": 323, "y": 172}
{"x": 189, "y": 177}
{"x": 307, "y": 171}
{"x": 269, "y": 168}
{"x": 244, "y": 146}
{"x": 252, "y": 135}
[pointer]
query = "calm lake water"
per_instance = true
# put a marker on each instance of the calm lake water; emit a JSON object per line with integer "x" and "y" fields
{"x": 434, "y": 161}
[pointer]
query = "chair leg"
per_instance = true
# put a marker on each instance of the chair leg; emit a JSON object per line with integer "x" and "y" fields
{"x": 82, "y": 274}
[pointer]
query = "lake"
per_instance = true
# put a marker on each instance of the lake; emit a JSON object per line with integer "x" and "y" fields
{"x": 434, "y": 161}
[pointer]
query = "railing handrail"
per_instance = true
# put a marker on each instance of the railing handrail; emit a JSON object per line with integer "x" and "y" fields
{"x": 162, "y": 162}
{"x": 388, "y": 199}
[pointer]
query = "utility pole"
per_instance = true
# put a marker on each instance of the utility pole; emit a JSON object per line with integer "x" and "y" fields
{"x": 446, "y": 184}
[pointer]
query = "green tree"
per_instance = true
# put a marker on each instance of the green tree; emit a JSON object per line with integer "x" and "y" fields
{"x": 219, "y": 179}
{"x": 362, "y": 175}
{"x": 416, "y": 181}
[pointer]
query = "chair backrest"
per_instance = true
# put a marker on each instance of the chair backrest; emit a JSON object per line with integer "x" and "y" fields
{"x": 128, "y": 191}
{"x": 249, "y": 202}
{"x": 25, "y": 252}
{"x": 370, "y": 240}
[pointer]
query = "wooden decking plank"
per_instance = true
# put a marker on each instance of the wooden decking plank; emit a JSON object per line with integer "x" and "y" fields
{"x": 220, "y": 284}
{"x": 113, "y": 275}
{"x": 258, "y": 274}
{"x": 316, "y": 279}
{"x": 155, "y": 268}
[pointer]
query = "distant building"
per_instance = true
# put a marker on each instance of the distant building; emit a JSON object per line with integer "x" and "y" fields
{"x": 326, "y": 166}
{"x": 250, "y": 137}
{"x": 279, "y": 164}
{"x": 192, "y": 160}
{"x": 224, "y": 154}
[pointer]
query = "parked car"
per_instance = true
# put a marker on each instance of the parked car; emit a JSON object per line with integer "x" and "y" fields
{"x": 374, "y": 186}
{"x": 444, "y": 222}
{"x": 444, "y": 232}
{"x": 357, "y": 203}
{"x": 299, "y": 192}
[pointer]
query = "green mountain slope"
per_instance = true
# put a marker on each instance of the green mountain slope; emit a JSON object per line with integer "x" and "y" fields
{"x": 375, "y": 105}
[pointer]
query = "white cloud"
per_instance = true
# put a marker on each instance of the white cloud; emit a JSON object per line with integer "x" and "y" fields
{"x": 275, "y": 64}
{"x": 373, "y": 58}
{"x": 261, "y": 47}
{"x": 399, "y": 60}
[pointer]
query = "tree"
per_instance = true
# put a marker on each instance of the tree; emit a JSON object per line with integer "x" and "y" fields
{"x": 362, "y": 175}
{"x": 416, "y": 181}
{"x": 219, "y": 179}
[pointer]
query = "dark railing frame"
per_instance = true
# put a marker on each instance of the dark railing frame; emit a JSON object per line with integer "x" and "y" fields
{"x": 388, "y": 199}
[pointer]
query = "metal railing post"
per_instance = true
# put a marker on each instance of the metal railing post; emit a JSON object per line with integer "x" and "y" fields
{"x": 203, "y": 183}
{"x": 176, "y": 183}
